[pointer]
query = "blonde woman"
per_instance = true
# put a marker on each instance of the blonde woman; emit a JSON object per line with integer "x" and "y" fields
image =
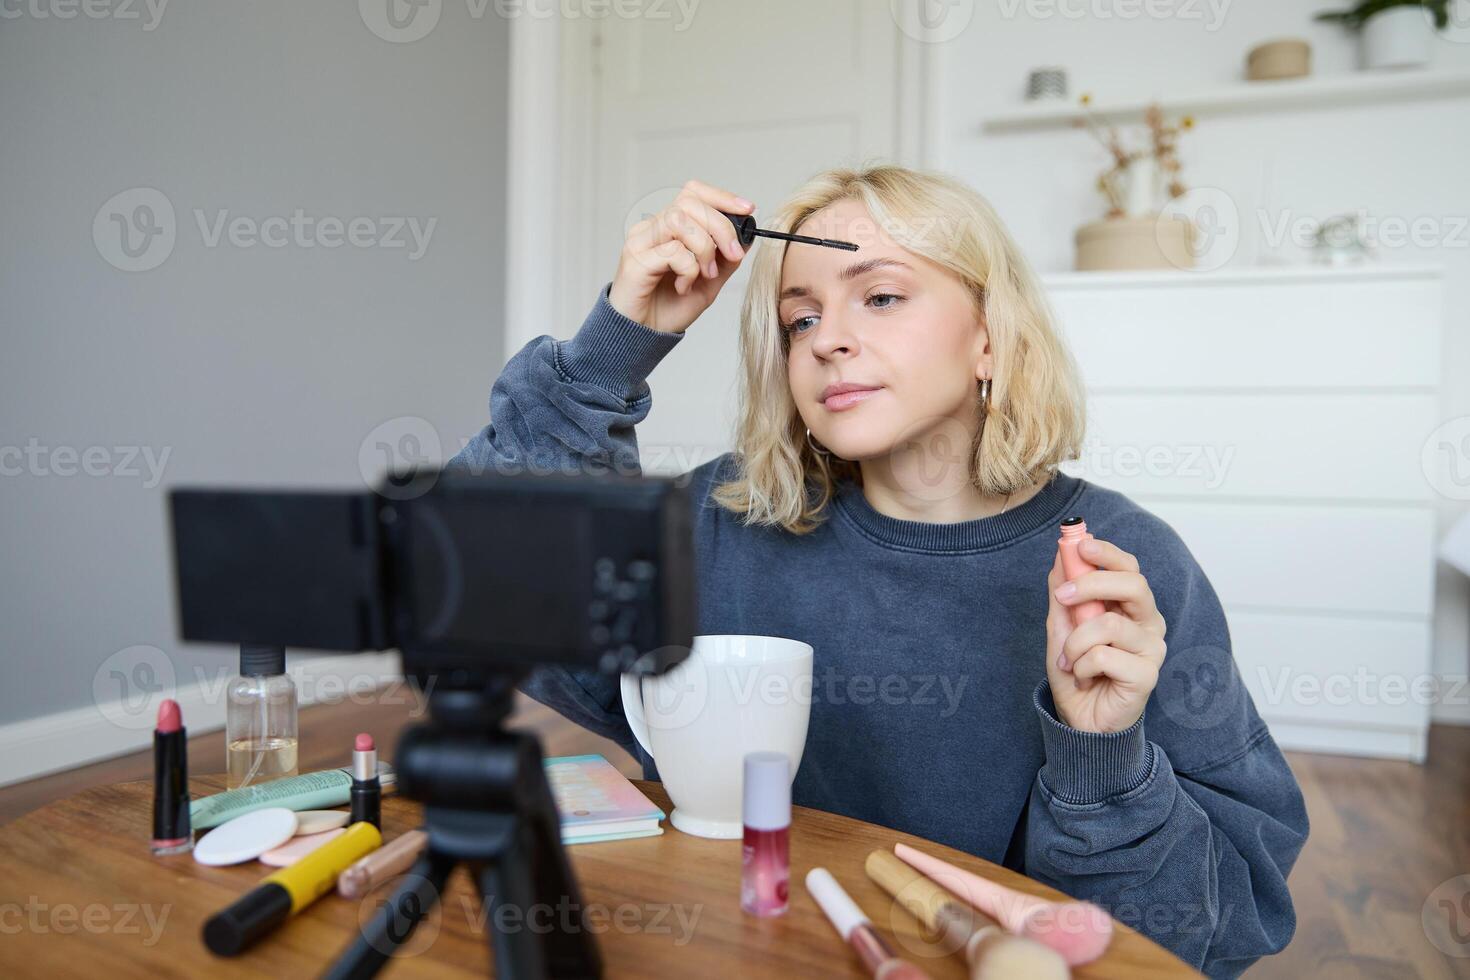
{"x": 893, "y": 499}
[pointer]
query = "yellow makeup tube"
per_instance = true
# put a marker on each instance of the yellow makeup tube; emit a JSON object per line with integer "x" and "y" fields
{"x": 281, "y": 895}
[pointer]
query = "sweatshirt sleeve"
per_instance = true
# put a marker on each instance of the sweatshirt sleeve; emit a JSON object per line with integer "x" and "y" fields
{"x": 571, "y": 406}
{"x": 1185, "y": 825}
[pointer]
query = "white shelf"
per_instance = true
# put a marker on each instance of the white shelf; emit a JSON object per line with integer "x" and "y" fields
{"x": 1358, "y": 88}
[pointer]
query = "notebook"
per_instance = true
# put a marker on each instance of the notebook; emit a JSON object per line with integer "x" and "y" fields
{"x": 598, "y": 803}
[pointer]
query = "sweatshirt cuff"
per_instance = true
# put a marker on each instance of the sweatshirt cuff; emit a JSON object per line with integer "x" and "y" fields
{"x": 612, "y": 351}
{"x": 1089, "y": 767}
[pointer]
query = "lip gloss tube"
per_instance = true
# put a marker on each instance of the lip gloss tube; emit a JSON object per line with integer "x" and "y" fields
{"x": 1074, "y": 566}
{"x": 367, "y": 793}
{"x": 394, "y": 857}
{"x": 853, "y": 926}
{"x": 765, "y": 856}
{"x": 172, "y": 833}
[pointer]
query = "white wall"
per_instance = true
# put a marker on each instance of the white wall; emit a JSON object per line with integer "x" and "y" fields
{"x": 244, "y": 364}
{"x": 1400, "y": 160}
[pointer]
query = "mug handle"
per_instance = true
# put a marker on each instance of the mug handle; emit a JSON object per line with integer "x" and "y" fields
{"x": 633, "y": 709}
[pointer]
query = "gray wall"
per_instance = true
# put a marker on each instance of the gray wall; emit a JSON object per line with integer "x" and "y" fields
{"x": 258, "y": 364}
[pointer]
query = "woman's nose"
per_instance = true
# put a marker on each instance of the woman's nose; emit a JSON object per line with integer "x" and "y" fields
{"x": 834, "y": 335}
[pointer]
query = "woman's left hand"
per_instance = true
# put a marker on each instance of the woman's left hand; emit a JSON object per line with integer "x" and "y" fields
{"x": 1103, "y": 671}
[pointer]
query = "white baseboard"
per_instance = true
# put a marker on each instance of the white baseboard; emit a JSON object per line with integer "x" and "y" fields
{"x": 78, "y": 736}
{"x": 1406, "y": 744}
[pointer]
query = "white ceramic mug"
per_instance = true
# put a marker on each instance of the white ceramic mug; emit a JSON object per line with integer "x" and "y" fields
{"x": 733, "y": 695}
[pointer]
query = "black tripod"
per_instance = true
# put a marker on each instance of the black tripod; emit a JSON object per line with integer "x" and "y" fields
{"x": 488, "y": 805}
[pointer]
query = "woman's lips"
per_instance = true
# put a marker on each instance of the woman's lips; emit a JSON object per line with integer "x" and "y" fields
{"x": 848, "y": 399}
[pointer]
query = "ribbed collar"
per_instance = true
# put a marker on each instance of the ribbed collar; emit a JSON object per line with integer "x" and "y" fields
{"x": 1045, "y": 508}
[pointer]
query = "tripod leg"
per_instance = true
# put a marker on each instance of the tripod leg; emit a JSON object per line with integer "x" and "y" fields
{"x": 395, "y": 920}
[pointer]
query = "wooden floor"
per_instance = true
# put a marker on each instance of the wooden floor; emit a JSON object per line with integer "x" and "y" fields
{"x": 1384, "y": 834}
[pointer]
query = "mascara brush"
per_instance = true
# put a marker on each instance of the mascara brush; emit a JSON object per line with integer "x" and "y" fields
{"x": 746, "y": 229}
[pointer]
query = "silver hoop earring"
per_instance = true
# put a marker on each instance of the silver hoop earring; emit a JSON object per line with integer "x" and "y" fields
{"x": 819, "y": 451}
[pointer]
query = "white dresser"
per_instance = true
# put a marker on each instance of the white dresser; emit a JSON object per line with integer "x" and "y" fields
{"x": 1277, "y": 419}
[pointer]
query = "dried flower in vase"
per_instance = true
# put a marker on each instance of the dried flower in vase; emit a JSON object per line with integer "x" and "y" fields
{"x": 1161, "y": 156}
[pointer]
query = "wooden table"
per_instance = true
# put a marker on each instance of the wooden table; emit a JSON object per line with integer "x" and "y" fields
{"x": 81, "y": 895}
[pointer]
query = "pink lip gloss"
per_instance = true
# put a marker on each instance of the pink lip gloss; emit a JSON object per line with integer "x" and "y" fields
{"x": 854, "y": 927}
{"x": 765, "y": 857}
{"x": 1074, "y": 566}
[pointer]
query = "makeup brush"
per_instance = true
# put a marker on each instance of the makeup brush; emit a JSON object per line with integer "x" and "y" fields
{"x": 1080, "y": 931}
{"x": 993, "y": 954}
{"x": 746, "y": 229}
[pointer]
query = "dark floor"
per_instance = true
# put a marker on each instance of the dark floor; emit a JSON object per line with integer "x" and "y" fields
{"x": 1384, "y": 834}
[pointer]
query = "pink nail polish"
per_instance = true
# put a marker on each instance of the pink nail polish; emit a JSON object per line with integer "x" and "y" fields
{"x": 1074, "y": 566}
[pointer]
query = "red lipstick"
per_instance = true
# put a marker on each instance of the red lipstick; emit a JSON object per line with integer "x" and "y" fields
{"x": 172, "y": 833}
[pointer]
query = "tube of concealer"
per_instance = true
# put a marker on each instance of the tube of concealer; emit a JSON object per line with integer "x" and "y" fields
{"x": 394, "y": 857}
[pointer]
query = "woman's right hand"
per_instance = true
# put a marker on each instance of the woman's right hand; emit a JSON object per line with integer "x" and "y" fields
{"x": 673, "y": 265}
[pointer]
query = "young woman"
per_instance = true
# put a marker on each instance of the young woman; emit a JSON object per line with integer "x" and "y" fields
{"x": 894, "y": 501}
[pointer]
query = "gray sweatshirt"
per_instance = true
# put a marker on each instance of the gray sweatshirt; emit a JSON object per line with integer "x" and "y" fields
{"x": 930, "y": 710}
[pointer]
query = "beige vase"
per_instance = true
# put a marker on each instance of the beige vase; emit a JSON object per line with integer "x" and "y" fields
{"x": 1143, "y": 242}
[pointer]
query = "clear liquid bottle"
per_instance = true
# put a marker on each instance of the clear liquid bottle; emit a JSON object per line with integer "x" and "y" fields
{"x": 260, "y": 719}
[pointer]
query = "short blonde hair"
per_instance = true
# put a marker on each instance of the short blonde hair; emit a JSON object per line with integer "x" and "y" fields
{"x": 1035, "y": 415}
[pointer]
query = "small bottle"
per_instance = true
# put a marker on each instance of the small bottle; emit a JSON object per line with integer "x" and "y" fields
{"x": 260, "y": 718}
{"x": 1074, "y": 566}
{"x": 765, "y": 858}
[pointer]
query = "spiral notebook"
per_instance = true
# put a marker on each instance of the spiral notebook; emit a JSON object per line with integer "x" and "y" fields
{"x": 598, "y": 803}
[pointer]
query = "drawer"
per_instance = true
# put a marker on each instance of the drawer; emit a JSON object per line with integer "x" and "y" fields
{"x": 1191, "y": 333}
{"x": 1319, "y": 446}
{"x": 1359, "y": 561}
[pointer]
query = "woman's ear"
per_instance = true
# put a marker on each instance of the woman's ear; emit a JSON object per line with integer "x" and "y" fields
{"x": 983, "y": 358}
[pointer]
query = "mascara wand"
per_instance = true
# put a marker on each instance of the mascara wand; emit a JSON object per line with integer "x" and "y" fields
{"x": 746, "y": 229}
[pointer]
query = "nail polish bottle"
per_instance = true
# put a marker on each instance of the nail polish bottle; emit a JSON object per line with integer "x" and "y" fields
{"x": 1074, "y": 566}
{"x": 765, "y": 857}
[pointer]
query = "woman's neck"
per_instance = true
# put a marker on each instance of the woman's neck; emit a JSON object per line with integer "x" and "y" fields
{"x": 914, "y": 487}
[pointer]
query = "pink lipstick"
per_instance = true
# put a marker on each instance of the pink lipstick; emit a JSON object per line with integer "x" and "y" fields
{"x": 366, "y": 795}
{"x": 172, "y": 833}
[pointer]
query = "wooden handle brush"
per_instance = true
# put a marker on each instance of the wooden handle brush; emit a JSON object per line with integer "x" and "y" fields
{"x": 993, "y": 953}
{"x": 1079, "y": 931}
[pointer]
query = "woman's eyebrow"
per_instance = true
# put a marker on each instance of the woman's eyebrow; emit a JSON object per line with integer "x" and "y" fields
{"x": 851, "y": 272}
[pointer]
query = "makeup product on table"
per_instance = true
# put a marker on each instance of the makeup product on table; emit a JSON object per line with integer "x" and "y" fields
{"x": 993, "y": 954}
{"x": 260, "y": 718}
{"x": 595, "y": 802}
{"x": 246, "y": 837}
{"x": 172, "y": 832}
{"x": 853, "y": 926}
{"x": 319, "y": 821}
{"x": 1080, "y": 931}
{"x": 284, "y": 893}
{"x": 765, "y": 857}
{"x": 367, "y": 792}
{"x": 308, "y": 791}
{"x": 1074, "y": 566}
{"x": 298, "y": 847}
{"x": 393, "y": 858}
{"x": 747, "y": 231}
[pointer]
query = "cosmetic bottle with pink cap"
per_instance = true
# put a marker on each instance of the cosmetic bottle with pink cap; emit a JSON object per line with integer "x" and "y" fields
{"x": 765, "y": 857}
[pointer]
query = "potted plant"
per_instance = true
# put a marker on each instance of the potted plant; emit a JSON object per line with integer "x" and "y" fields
{"x": 1392, "y": 33}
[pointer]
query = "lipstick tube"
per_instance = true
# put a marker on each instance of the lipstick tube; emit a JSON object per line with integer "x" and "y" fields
{"x": 1074, "y": 566}
{"x": 366, "y": 797}
{"x": 172, "y": 833}
{"x": 854, "y": 927}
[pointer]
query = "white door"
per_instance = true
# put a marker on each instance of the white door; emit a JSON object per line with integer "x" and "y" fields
{"x": 751, "y": 95}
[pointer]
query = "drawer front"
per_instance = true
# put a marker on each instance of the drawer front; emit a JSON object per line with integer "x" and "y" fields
{"x": 1357, "y": 561}
{"x": 1349, "y": 672}
{"x": 1255, "y": 334}
{"x": 1318, "y": 446}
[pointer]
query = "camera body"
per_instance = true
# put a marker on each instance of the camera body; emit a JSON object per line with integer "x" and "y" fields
{"x": 476, "y": 573}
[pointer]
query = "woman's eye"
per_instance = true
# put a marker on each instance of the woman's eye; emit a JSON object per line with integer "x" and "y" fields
{"x": 794, "y": 325}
